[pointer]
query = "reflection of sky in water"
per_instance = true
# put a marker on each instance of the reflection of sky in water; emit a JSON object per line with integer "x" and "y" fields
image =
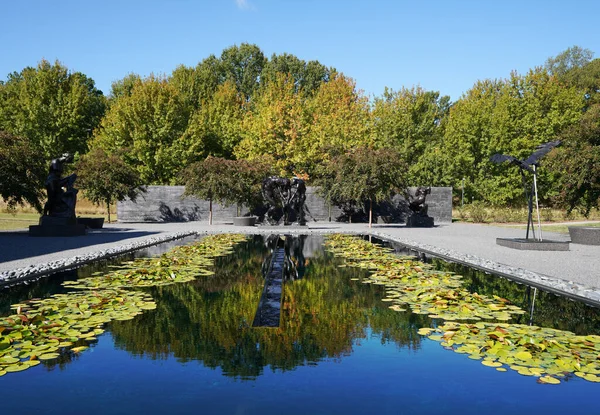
{"x": 372, "y": 376}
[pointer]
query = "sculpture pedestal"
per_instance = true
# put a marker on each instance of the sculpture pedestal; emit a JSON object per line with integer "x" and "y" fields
{"x": 585, "y": 235}
{"x": 532, "y": 244}
{"x": 93, "y": 223}
{"x": 52, "y": 226}
{"x": 419, "y": 221}
{"x": 244, "y": 221}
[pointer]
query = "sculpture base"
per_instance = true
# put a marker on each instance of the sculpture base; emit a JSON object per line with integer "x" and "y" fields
{"x": 92, "y": 223}
{"x": 532, "y": 244}
{"x": 57, "y": 230}
{"x": 244, "y": 220}
{"x": 419, "y": 221}
{"x": 585, "y": 235}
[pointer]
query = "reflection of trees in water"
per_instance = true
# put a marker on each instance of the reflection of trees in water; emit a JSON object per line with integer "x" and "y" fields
{"x": 209, "y": 320}
{"x": 549, "y": 310}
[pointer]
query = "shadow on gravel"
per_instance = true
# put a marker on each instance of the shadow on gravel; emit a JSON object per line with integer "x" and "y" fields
{"x": 19, "y": 245}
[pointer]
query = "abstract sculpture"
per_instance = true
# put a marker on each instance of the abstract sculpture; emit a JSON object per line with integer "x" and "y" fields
{"x": 530, "y": 164}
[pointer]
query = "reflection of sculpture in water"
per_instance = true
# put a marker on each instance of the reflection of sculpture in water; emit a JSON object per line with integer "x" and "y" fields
{"x": 62, "y": 196}
{"x": 417, "y": 203}
{"x": 285, "y": 198}
{"x": 294, "y": 261}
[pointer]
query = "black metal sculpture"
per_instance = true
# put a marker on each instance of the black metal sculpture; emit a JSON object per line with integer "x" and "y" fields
{"x": 62, "y": 196}
{"x": 285, "y": 198}
{"x": 530, "y": 165}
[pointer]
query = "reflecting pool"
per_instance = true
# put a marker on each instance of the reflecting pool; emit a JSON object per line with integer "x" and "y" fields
{"x": 339, "y": 348}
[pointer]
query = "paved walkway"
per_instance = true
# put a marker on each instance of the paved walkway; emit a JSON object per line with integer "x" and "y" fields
{"x": 578, "y": 268}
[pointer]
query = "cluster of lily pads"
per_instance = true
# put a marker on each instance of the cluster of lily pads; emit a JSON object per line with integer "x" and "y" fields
{"x": 545, "y": 353}
{"x": 410, "y": 282}
{"x": 45, "y": 329}
{"x": 181, "y": 264}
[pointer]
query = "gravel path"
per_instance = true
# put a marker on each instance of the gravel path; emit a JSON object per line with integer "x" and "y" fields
{"x": 575, "y": 272}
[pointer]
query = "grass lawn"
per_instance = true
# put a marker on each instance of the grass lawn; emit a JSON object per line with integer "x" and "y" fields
{"x": 561, "y": 227}
{"x": 9, "y": 221}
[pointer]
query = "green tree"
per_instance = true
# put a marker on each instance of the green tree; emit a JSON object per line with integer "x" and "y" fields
{"x": 124, "y": 87}
{"x": 510, "y": 116}
{"x": 106, "y": 178}
{"x": 571, "y": 58}
{"x": 243, "y": 65}
{"x": 216, "y": 128}
{"x": 307, "y": 76}
{"x": 212, "y": 179}
{"x": 148, "y": 123}
{"x": 339, "y": 119}
{"x": 412, "y": 121}
{"x": 22, "y": 173}
{"x": 577, "y": 164}
{"x": 363, "y": 175}
{"x": 53, "y": 107}
{"x": 275, "y": 125}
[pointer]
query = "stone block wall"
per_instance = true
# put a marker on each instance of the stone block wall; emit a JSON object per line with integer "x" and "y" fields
{"x": 166, "y": 204}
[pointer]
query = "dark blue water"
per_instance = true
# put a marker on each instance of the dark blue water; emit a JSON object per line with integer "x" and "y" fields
{"x": 340, "y": 351}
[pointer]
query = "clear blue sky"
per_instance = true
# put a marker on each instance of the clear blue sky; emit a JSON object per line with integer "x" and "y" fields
{"x": 441, "y": 45}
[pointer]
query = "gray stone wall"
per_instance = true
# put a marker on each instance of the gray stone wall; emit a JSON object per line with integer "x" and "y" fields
{"x": 166, "y": 204}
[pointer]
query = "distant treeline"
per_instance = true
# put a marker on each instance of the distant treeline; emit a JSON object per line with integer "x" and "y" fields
{"x": 298, "y": 115}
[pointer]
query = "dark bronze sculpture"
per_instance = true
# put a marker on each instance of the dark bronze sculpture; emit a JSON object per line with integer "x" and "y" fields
{"x": 418, "y": 209}
{"x": 285, "y": 198}
{"x": 62, "y": 196}
{"x": 417, "y": 203}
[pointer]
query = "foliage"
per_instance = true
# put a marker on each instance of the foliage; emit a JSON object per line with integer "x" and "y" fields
{"x": 149, "y": 123}
{"x": 275, "y": 124}
{"x": 243, "y": 65}
{"x": 307, "y": 76}
{"x": 23, "y": 171}
{"x": 339, "y": 120}
{"x": 105, "y": 178}
{"x": 123, "y": 87}
{"x": 363, "y": 175}
{"x": 226, "y": 181}
{"x": 513, "y": 117}
{"x": 577, "y": 164}
{"x": 54, "y": 108}
{"x": 216, "y": 128}
{"x": 412, "y": 121}
{"x": 571, "y": 58}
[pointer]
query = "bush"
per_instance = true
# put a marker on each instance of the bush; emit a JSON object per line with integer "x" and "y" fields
{"x": 477, "y": 212}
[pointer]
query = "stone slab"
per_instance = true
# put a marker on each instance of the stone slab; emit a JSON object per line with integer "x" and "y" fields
{"x": 532, "y": 245}
{"x": 92, "y": 223}
{"x": 244, "y": 220}
{"x": 584, "y": 235}
{"x": 418, "y": 221}
{"x": 56, "y": 230}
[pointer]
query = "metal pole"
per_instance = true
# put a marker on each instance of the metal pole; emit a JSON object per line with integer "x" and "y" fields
{"x": 537, "y": 207}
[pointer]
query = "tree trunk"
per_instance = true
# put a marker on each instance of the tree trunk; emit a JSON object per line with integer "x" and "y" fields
{"x": 108, "y": 209}
{"x": 370, "y": 213}
{"x": 210, "y": 211}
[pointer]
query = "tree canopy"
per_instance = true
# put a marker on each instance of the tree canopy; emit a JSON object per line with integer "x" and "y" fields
{"x": 56, "y": 109}
{"x": 105, "y": 178}
{"x": 22, "y": 173}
